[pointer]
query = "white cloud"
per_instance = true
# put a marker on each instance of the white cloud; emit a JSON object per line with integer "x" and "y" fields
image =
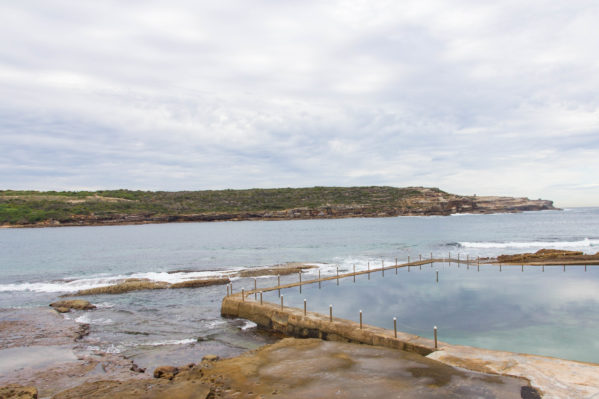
{"x": 472, "y": 97}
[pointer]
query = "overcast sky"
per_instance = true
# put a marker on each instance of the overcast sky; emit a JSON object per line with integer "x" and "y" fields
{"x": 468, "y": 96}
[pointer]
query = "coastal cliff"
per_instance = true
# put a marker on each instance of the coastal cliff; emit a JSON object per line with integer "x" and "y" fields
{"x": 40, "y": 209}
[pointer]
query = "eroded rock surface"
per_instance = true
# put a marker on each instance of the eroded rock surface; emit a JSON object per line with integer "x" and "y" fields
{"x": 311, "y": 368}
{"x": 556, "y": 378}
{"x": 550, "y": 256}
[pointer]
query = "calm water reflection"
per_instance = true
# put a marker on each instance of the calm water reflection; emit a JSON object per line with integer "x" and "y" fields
{"x": 553, "y": 313}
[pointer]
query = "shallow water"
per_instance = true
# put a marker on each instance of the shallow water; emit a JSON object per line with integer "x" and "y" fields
{"x": 34, "y": 357}
{"x": 551, "y": 312}
{"x": 38, "y": 265}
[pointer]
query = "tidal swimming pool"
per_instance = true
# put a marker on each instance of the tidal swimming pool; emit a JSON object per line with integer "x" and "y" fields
{"x": 545, "y": 311}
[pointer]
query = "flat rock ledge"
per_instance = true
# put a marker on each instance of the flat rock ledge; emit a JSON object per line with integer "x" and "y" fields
{"x": 311, "y": 368}
{"x": 549, "y": 257}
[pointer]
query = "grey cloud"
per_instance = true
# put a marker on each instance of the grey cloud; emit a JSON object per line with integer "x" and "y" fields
{"x": 211, "y": 95}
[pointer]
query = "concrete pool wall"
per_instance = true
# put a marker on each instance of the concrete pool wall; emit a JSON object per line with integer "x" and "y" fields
{"x": 555, "y": 378}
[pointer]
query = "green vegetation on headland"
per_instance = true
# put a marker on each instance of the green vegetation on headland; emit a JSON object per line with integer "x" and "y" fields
{"x": 53, "y": 208}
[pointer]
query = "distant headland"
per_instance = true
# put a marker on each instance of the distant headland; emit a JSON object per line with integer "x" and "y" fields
{"x": 114, "y": 207}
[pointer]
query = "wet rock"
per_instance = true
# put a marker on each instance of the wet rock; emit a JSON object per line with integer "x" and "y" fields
{"x": 527, "y": 392}
{"x": 200, "y": 283}
{"x": 166, "y": 372}
{"x": 66, "y": 306}
{"x": 82, "y": 331}
{"x": 210, "y": 358}
{"x": 18, "y": 392}
{"x": 288, "y": 268}
{"x": 550, "y": 255}
{"x": 137, "y": 369}
{"x": 125, "y": 286}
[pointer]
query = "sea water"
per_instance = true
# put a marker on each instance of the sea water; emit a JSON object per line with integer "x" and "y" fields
{"x": 168, "y": 326}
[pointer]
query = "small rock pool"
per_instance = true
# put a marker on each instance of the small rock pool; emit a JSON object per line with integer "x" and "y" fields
{"x": 550, "y": 310}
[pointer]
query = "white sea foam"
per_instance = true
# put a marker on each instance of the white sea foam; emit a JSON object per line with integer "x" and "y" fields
{"x": 84, "y": 319}
{"x": 532, "y": 244}
{"x": 113, "y": 349}
{"x": 76, "y": 284}
{"x": 104, "y": 305}
{"x": 185, "y": 341}
{"x": 249, "y": 324}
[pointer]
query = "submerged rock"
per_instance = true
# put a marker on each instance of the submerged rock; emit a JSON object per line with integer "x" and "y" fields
{"x": 200, "y": 283}
{"x": 66, "y": 306}
{"x": 282, "y": 270}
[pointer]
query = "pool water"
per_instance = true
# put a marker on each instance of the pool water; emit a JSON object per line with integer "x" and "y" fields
{"x": 547, "y": 311}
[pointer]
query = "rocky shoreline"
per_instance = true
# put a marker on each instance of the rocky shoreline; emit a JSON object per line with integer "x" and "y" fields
{"x": 290, "y": 368}
{"x": 428, "y": 203}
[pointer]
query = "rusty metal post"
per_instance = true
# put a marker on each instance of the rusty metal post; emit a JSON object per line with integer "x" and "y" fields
{"x": 281, "y": 302}
{"x": 395, "y": 326}
{"x": 360, "y": 319}
{"x": 304, "y": 307}
{"x": 255, "y": 289}
{"x": 435, "y": 331}
{"x": 242, "y": 295}
{"x": 260, "y": 297}
{"x": 330, "y": 312}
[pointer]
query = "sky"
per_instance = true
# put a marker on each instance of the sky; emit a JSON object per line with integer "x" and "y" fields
{"x": 486, "y": 98}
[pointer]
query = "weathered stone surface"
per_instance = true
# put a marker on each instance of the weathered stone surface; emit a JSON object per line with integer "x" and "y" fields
{"x": 36, "y": 326}
{"x": 126, "y": 286}
{"x": 167, "y": 372}
{"x": 65, "y": 306}
{"x": 200, "y": 283}
{"x": 136, "y": 389}
{"x": 210, "y": 358}
{"x": 312, "y": 368}
{"x": 550, "y": 256}
{"x": 555, "y": 378}
{"x": 288, "y": 268}
{"x": 18, "y": 392}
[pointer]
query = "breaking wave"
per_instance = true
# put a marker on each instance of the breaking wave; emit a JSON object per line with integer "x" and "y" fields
{"x": 587, "y": 242}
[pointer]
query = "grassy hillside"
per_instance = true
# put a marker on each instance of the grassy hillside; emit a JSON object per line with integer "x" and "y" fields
{"x": 34, "y": 207}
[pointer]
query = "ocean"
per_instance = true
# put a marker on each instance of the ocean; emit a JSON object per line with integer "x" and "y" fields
{"x": 175, "y": 326}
